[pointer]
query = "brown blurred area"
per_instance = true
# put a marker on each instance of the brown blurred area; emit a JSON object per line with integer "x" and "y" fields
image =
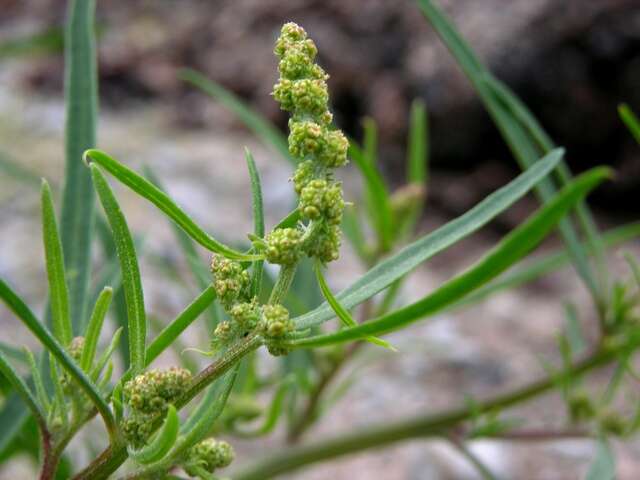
{"x": 571, "y": 61}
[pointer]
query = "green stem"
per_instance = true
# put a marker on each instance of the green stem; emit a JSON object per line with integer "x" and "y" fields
{"x": 280, "y": 289}
{"x": 414, "y": 427}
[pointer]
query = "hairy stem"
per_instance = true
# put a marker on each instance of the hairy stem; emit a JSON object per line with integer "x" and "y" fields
{"x": 280, "y": 289}
{"x": 413, "y": 427}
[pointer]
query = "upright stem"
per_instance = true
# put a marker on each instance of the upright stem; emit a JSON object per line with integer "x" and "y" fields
{"x": 280, "y": 289}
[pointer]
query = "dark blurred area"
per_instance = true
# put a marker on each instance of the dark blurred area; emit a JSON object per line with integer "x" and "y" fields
{"x": 571, "y": 61}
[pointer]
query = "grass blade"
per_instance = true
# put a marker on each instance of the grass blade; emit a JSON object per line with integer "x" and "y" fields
{"x": 511, "y": 249}
{"x": 258, "y": 219}
{"x": 630, "y": 120}
{"x": 146, "y": 189}
{"x": 401, "y": 263}
{"x": 252, "y": 119}
{"x": 21, "y": 388}
{"x": 342, "y": 313}
{"x": 23, "y": 312}
{"x": 179, "y": 324}
{"x": 59, "y": 295}
{"x": 94, "y": 328}
{"x": 377, "y": 195}
{"x": 81, "y": 100}
{"x": 162, "y": 442}
{"x": 131, "y": 283}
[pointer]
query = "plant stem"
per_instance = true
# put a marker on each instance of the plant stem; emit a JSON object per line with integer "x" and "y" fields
{"x": 280, "y": 289}
{"x": 413, "y": 427}
{"x": 472, "y": 458}
{"x": 115, "y": 455}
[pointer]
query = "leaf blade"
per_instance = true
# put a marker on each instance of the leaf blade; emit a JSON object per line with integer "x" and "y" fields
{"x": 94, "y": 328}
{"x": 258, "y": 219}
{"x": 511, "y": 249}
{"x": 164, "y": 203}
{"x": 131, "y": 282}
{"x": 398, "y": 265}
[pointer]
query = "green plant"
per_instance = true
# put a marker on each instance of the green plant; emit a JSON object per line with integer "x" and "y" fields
{"x": 247, "y": 309}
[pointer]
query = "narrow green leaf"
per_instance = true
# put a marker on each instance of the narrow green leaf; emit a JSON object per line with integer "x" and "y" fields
{"x": 377, "y": 196}
{"x": 104, "y": 358}
{"x": 41, "y": 391}
{"x": 21, "y": 388}
{"x": 542, "y": 265}
{"x": 290, "y": 220}
{"x": 511, "y": 249}
{"x": 131, "y": 283}
{"x": 575, "y": 336}
{"x": 634, "y": 266}
{"x": 94, "y": 328}
{"x": 630, "y": 120}
{"x": 163, "y": 441}
{"x": 342, "y": 313}
{"x": 148, "y": 190}
{"x": 59, "y": 295}
{"x": 27, "y": 317}
{"x": 13, "y": 353}
{"x": 401, "y": 263}
{"x": 258, "y": 219}
{"x": 179, "y": 324}
{"x": 603, "y": 466}
{"x": 60, "y": 404}
{"x": 252, "y": 119}
{"x": 81, "y": 100}
{"x": 417, "y": 153}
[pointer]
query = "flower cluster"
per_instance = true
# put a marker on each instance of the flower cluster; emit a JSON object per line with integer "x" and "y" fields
{"x": 208, "y": 455}
{"x": 148, "y": 396}
{"x": 302, "y": 91}
{"x": 75, "y": 351}
{"x": 230, "y": 280}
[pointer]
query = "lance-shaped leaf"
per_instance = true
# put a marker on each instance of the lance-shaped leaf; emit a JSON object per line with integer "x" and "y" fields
{"x": 58, "y": 293}
{"x": 104, "y": 358}
{"x": 131, "y": 283}
{"x": 94, "y": 328}
{"x": 21, "y": 388}
{"x": 510, "y": 250}
{"x": 252, "y": 119}
{"x": 81, "y": 101}
{"x": 27, "y": 317}
{"x": 162, "y": 442}
{"x": 148, "y": 190}
{"x": 418, "y": 144}
{"x": 401, "y": 263}
{"x": 341, "y": 312}
{"x": 258, "y": 219}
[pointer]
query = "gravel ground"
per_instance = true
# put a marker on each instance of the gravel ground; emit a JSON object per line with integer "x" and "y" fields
{"x": 480, "y": 351}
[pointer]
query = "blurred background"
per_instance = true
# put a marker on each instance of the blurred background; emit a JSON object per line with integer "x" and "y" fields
{"x": 571, "y": 61}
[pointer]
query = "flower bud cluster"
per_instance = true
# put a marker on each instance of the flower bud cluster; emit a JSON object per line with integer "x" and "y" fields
{"x": 302, "y": 91}
{"x": 75, "y": 351}
{"x": 230, "y": 280}
{"x": 208, "y": 455}
{"x": 148, "y": 396}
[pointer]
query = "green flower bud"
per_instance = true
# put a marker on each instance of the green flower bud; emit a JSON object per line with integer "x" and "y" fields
{"x": 334, "y": 153}
{"x": 304, "y": 174}
{"x": 290, "y": 34}
{"x": 283, "y": 246}
{"x": 305, "y": 138}
{"x": 321, "y": 199}
{"x": 581, "y": 408}
{"x": 275, "y": 321}
{"x": 137, "y": 428}
{"x": 230, "y": 280}
{"x": 209, "y": 455}
{"x": 223, "y": 332}
{"x": 326, "y": 246}
{"x": 612, "y": 423}
{"x": 75, "y": 348}
{"x": 152, "y": 391}
{"x": 246, "y": 315}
